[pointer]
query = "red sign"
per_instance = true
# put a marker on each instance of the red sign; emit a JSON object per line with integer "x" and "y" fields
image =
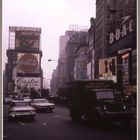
{"x": 28, "y": 63}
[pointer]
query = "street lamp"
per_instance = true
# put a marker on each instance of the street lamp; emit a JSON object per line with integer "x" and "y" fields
{"x": 51, "y": 60}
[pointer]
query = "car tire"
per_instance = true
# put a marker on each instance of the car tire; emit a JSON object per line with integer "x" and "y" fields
{"x": 76, "y": 117}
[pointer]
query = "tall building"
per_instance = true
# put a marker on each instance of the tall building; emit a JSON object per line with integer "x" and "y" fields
{"x": 81, "y": 60}
{"x": 102, "y": 24}
{"x": 122, "y": 43}
{"x": 115, "y": 36}
{"x": 79, "y": 36}
{"x": 23, "y": 69}
{"x": 62, "y": 59}
{"x": 54, "y": 83}
{"x": 91, "y": 50}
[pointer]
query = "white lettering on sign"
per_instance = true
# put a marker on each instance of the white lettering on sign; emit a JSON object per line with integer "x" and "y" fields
{"x": 28, "y": 82}
{"x": 119, "y": 33}
{"x": 28, "y": 63}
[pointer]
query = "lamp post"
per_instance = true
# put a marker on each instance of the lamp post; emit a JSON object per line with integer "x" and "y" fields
{"x": 49, "y": 60}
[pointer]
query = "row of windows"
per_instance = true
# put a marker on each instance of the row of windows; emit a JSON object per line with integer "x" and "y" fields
{"x": 115, "y": 1}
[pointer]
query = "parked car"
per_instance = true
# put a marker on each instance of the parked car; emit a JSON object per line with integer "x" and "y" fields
{"x": 42, "y": 105}
{"x": 21, "y": 109}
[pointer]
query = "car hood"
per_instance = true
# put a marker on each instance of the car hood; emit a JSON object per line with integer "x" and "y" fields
{"x": 23, "y": 108}
{"x": 44, "y": 104}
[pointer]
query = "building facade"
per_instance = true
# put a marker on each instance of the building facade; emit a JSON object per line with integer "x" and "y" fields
{"x": 23, "y": 69}
{"x": 81, "y": 60}
{"x": 78, "y": 37}
{"x": 91, "y": 50}
{"x": 115, "y": 37}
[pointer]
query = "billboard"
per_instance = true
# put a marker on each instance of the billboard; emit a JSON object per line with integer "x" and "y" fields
{"x": 24, "y": 37}
{"x": 28, "y": 63}
{"x": 125, "y": 70}
{"x": 125, "y": 27}
{"x": 28, "y": 82}
{"x": 108, "y": 68}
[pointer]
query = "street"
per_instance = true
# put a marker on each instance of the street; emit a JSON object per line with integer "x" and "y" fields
{"x": 58, "y": 126}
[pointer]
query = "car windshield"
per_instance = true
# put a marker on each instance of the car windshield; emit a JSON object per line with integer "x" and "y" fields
{"x": 21, "y": 103}
{"x": 41, "y": 101}
{"x": 105, "y": 95}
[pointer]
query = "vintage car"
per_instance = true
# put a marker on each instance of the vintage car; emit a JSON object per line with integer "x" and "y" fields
{"x": 42, "y": 105}
{"x": 21, "y": 109}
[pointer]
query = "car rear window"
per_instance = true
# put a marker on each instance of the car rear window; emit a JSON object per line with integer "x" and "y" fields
{"x": 41, "y": 101}
{"x": 22, "y": 103}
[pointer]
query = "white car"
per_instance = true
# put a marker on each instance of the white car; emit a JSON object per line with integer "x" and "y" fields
{"x": 42, "y": 105}
{"x": 21, "y": 109}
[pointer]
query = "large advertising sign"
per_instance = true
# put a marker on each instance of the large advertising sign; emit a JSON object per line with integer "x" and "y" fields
{"x": 108, "y": 68}
{"x": 28, "y": 82}
{"x": 27, "y": 37}
{"x": 28, "y": 63}
{"x": 125, "y": 70}
{"x": 125, "y": 27}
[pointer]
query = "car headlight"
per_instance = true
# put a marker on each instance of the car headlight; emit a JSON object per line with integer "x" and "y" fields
{"x": 124, "y": 107}
{"x": 13, "y": 114}
{"x": 104, "y": 107}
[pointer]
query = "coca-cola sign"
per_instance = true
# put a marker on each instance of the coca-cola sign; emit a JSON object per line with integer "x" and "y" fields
{"x": 28, "y": 63}
{"x": 28, "y": 82}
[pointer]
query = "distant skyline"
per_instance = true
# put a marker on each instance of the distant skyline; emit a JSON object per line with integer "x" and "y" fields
{"x": 52, "y": 17}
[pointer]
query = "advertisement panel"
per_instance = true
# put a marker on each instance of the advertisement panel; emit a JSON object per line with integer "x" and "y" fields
{"x": 28, "y": 82}
{"x": 108, "y": 68}
{"x": 125, "y": 69}
{"x": 126, "y": 26}
{"x": 28, "y": 63}
{"x": 26, "y": 39}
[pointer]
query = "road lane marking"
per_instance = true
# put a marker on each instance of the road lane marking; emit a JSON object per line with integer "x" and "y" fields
{"x": 21, "y": 123}
{"x": 44, "y": 123}
{"x": 60, "y": 117}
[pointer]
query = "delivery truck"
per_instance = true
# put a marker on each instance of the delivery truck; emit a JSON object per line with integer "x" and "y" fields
{"x": 96, "y": 100}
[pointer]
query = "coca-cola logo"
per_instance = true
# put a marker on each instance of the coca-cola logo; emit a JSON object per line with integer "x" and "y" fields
{"x": 28, "y": 63}
{"x": 32, "y": 82}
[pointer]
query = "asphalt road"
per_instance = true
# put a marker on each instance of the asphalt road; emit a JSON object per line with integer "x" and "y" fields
{"x": 58, "y": 126}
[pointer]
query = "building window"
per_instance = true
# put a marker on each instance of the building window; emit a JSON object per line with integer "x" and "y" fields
{"x": 108, "y": 16}
{"x": 126, "y": 1}
{"x": 108, "y": 1}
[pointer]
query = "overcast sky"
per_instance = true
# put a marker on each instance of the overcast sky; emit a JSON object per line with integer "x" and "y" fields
{"x": 53, "y": 16}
